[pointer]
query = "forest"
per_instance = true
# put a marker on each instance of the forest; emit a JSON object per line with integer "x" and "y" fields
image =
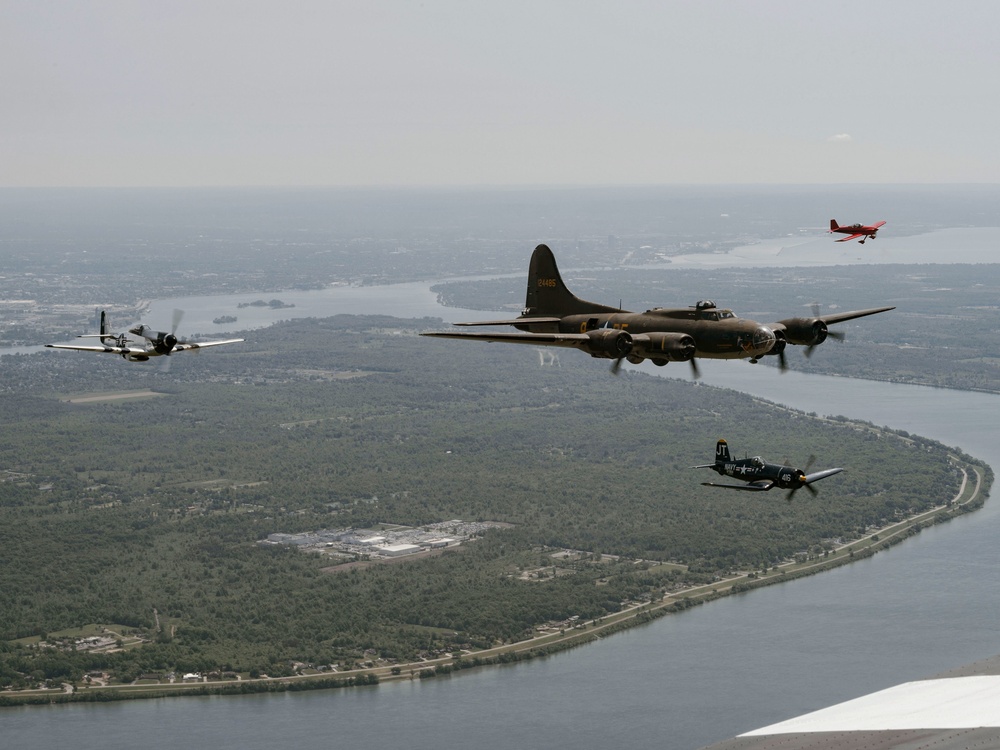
{"x": 144, "y": 516}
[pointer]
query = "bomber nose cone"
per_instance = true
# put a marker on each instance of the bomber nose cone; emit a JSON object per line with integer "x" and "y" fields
{"x": 762, "y": 341}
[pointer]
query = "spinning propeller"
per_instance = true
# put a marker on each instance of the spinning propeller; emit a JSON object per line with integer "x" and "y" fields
{"x": 836, "y": 335}
{"x": 695, "y": 372}
{"x": 171, "y": 340}
{"x": 802, "y": 480}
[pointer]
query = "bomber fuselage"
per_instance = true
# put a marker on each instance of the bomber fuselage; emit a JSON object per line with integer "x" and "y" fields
{"x": 718, "y": 333}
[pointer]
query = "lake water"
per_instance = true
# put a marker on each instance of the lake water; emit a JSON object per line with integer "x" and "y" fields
{"x": 682, "y": 682}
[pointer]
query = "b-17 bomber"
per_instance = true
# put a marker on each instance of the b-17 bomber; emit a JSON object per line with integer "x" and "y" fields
{"x": 553, "y": 316}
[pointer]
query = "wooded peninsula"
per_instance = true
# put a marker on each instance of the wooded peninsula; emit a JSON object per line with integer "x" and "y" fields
{"x": 133, "y": 529}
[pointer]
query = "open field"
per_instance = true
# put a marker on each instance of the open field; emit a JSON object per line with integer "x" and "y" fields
{"x": 117, "y": 396}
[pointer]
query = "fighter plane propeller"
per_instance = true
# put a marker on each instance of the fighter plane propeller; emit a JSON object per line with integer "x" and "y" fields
{"x": 160, "y": 343}
{"x": 554, "y": 316}
{"x": 762, "y": 476}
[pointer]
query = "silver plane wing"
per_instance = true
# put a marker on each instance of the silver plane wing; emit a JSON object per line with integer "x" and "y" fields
{"x": 183, "y": 346}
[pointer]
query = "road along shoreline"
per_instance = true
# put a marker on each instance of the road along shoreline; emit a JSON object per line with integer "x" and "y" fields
{"x": 972, "y": 493}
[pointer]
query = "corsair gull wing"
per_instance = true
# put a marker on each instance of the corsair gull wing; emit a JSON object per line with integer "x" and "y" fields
{"x": 752, "y": 487}
{"x": 816, "y": 476}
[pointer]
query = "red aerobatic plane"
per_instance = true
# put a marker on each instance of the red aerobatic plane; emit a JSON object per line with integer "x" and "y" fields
{"x": 855, "y": 230}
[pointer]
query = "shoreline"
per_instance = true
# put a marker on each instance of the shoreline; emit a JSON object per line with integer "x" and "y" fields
{"x": 971, "y": 496}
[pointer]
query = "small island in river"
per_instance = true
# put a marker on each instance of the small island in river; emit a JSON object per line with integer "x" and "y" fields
{"x": 275, "y": 304}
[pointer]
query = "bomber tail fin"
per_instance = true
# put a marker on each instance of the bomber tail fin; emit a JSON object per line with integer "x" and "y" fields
{"x": 834, "y": 226}
{"x": 547, "y": 295}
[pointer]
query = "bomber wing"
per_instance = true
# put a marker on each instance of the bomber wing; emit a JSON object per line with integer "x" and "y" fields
{"x": 841, "y": 317}
{"x": 782, "y": 325}
{"x": 576, "y": 340}
{"x": 761, "y": 486}
{"x": 816, "y": 476}
{"x": 180, "y": 347}
{"x": 514, "y": 322}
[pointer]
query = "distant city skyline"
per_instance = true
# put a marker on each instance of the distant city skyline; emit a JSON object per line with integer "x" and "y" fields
{"x": 441, "y": 92}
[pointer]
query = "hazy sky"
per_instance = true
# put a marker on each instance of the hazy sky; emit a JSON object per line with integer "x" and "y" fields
{"x": 458, "y": 92}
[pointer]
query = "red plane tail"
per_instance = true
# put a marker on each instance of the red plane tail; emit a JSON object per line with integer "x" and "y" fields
{"x": 834, "y": 226}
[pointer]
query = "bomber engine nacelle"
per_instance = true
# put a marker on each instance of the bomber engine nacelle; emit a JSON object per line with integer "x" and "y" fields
{"x": 805, "y": 331}
{"x": 608, "y": 343}
{"x": 672, "y": 347}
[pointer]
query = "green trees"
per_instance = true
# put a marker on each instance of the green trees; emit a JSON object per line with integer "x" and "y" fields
{"x": 148, "y": 513}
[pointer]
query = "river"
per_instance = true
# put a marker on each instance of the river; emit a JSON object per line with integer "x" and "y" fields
{"x": 683, "y": 682}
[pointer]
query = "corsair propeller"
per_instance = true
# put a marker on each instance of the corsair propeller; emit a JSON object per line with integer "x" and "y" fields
{"x": 802, "y": 479}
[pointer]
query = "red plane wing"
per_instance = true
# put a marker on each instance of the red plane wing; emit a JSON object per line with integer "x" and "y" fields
{"x": 853, "y": 237}
{"x": 877, "y": 225}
